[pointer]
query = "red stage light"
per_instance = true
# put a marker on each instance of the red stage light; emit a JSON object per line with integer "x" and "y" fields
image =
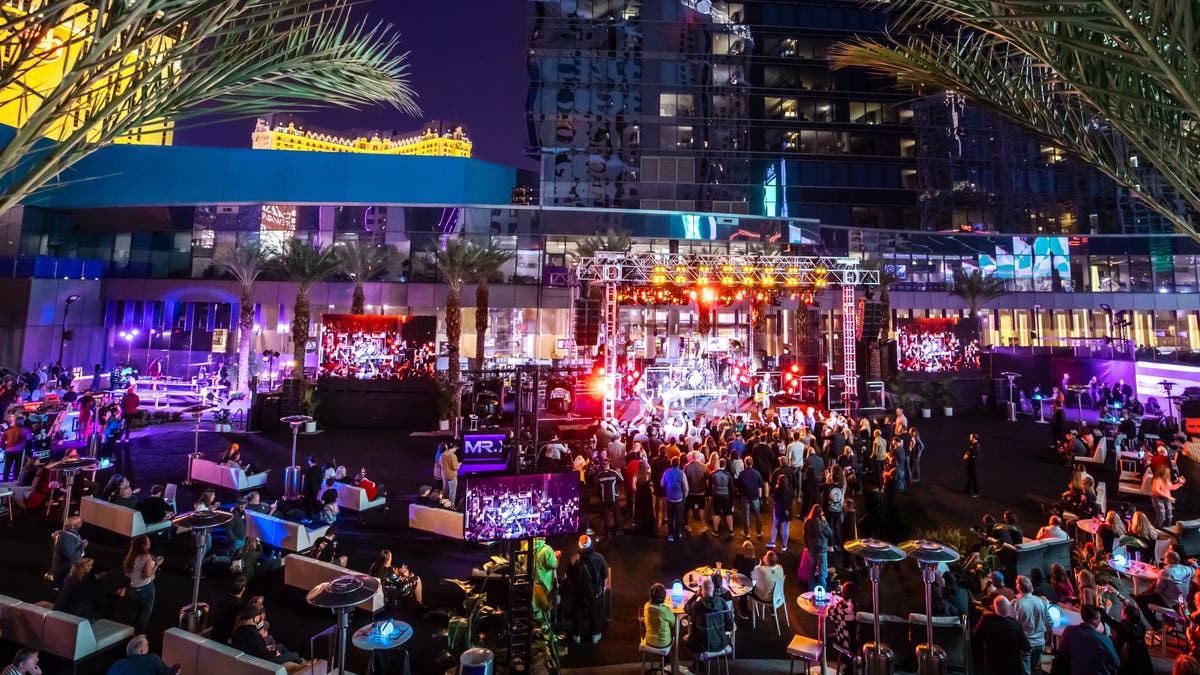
{"x": 795, "y": 368}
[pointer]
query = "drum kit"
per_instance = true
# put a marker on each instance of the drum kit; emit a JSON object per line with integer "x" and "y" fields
{"x": 878, "y": 658}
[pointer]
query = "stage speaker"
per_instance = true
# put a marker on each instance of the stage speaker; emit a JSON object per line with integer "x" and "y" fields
{"x": 587, "y": 322}
{"x": 872, "y": 320}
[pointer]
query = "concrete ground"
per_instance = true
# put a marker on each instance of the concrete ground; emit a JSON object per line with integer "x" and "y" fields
{"x": 1016, "y": 471}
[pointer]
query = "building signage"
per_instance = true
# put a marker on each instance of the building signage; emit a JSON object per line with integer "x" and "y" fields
{"x": 483, "y": 452}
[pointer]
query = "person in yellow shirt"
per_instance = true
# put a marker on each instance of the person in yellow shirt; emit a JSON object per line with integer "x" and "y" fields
{"x": 450, "y": 466}
{"x": 658, "y": 619}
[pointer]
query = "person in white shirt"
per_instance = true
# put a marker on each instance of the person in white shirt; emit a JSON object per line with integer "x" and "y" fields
{"x": 1053, "y": 530}
{"x": 768, "y": 573}
{"x": 901, "y": 419}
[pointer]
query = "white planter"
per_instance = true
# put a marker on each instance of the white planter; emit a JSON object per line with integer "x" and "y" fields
{"x": 948, "y": 412}
{"x": 443, "y": 425}
{"x": 926, "y": 413}
{"x": 310, "y": 427}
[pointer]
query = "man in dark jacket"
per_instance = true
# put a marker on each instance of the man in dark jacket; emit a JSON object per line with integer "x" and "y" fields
{"x": 609, "y": 481}
{"x": 139, "y": 661}
{"x": 588, "y": 576}
{"x": 314, "y": 476}
{"x": 154, "y": 508}
{"x": 1083, "y": 649}
{"x": 228, "y": 609}
{"x": 1001, "y": 638}
{"x": 710, "y": 618}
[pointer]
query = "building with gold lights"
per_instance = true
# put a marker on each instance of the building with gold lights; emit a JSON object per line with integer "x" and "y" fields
{"x": 53, "y": 58}
{"x": 283, "y": 132}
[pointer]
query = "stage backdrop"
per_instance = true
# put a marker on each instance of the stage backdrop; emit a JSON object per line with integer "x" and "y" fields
{"x": 1047, "y": 371}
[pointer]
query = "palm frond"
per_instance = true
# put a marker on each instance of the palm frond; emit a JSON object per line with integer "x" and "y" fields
{"x": 244, "y": 263}
{"x": 363, "y": 262}
{"x": 1112, "y": 82}
{"x": 137, "y": 64}
{"x": 612, "y": 240}
{"x": 303, "y": 263}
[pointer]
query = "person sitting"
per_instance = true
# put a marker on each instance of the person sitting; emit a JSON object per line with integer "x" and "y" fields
{"x": 1085, "y": 587}
{"x": 997, "y": 533}
{"x": 1112, "y": 529}
{"x": 25, "y": 662}
{"x": 250, "y": 637}
{"x": 329, "y": 503}
{"x": 225, "y": 613}
{"x": 231, "y": 457}
{"x": 765, "y": 576}
{"x": 113, "y": 487}
{"x": 398, "y": 582}
{"x": 207, "y": 501}
{"x": 956, "y": 600}
{"x": 139, "y": 661}
{"x": 325, "y": 547}
{"x": 1141, "y": 537}
{"x": 124, "y": 496}
{"x": 709, "y": 620}
{"x": 1062, "y": 584}
{"x": 993, "y": 587}
{"x": 1168, "y": 589}
{"x": 369, "y": 486}
{"x": 154, "y": 508}
{"x": 432, "y": 497}
{"x": 1015, "y": 534}
{"x": 1053, "y": 530}
{"x": 658, "y": 619}
{"x": 1042, "y": 587}
{"x": 82, "y": 594}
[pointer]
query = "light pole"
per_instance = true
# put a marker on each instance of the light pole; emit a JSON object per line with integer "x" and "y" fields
{"x": 128, "y": 336}
{"x": 62, "y": 341}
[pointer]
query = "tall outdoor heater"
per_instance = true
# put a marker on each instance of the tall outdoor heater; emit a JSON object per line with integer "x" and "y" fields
{"x": 878, "y": 658}
{"x": 341, "y": 595}
{"x": 931, "y": 659}
{"x": 70, "y": 469}
{"x": 191, "y": 617}
{"x": 291, "y": 475}
{"x": 1012, "y": 405}
{"x": 196, "y": 411}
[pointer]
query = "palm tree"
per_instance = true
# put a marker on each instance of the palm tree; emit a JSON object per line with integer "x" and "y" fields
{"x": 977, "y": 289}
{"x": 303, "y": 264}
{"x": 245, "y": 264}
{"x": 143, "y": 65}
{"x": 612, "y": 240}
{"x": 363, "y": 262}
{"x": 489, "y": 258}
{"x": 1112, "y": 83}
{"x": 456, "y": 262}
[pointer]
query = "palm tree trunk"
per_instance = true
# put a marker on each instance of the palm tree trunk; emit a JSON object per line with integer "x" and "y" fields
{"x": 300, "y": 319}
{"x": 358, "y": 303}
{"x": 453, "y": 330}
{"x": 482, "y": 301}
{"x": 245, "y": 334}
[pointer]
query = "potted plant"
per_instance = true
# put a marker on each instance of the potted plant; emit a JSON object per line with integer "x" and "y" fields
{"x": 223, "y": 419}
{"x": 929, "y": 394}
{"x": 945, "y": 394}
{"x": 445, "y": 402}
{"x": 311, "y": 403}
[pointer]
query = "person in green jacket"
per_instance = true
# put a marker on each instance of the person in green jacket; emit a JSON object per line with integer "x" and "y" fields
{"x": 545, "y": 571}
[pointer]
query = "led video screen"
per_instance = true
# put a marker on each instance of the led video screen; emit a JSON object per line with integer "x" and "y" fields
{"x": 937, "y": 346}
{"x": 499, "y": 508}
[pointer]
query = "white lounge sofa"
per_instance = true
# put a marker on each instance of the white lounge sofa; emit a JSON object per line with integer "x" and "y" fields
{"x": 442, "y": 522}
{"x": 303, "y": 572}
{"x": 196, "y": 654}
{"x": 284, "y": 534}
{"x": 355, "y": 498}
{"x": 64, "y": 635}
{"x": 231, "y": 478}
{"x": 115, "y": 518}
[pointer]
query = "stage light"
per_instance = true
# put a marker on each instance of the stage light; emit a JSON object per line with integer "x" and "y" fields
{"x": 749, "y": 281}
{"x": 727, "y": 280}
{"x": 795, "y": 368}
{"x": 680, "y": 279}
{"x": 660, "y": 275}
{"x": 707, "y": 296}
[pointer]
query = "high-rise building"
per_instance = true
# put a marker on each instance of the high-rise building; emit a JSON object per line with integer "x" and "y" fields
{"x": 285, "y": 132}
{"x": 56, "y": 54}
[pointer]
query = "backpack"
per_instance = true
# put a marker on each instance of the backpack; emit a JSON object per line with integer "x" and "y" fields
{"x": 835, "y": 499}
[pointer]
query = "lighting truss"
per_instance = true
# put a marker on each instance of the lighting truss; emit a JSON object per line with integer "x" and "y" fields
{"x": 710, "y": 269}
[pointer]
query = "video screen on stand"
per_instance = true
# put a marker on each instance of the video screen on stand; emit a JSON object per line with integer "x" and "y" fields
{"x": 499, "y": 508}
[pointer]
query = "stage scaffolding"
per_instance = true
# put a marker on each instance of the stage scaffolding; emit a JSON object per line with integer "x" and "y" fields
{"x": 774, "y": 273}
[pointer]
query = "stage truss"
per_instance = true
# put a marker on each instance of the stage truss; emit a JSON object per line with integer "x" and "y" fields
{"x": 774, "y": 273}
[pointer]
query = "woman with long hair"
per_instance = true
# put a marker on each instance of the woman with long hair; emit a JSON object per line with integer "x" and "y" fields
{"x": 1112, "y": 529}
{"x": 1085, "y": 587}
{"x": 1062, "y": 583}
{"x": 643, "y": 506}
{"x": 398, "y": 582}
{"x": 1141, "y": 536}
{"x": 141, "y": 568}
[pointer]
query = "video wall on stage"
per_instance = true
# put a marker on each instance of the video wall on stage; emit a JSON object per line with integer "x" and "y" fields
{"x": 374, "y": 347}
{"x": 937, "y": 345}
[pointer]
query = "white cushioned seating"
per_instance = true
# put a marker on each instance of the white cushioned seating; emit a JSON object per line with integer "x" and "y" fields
{"x": 355, "y": 498}
{"x": 116, "y": 518}
{"x": 284, "y": 534}
{"x": 303, "y": 572}
{"x": 443, "y": 522}
{"x": 197, "y": 655}
{"x": 231, "y": 478}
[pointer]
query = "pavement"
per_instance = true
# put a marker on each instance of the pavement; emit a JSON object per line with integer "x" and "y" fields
{"x": 1016, "y": 472}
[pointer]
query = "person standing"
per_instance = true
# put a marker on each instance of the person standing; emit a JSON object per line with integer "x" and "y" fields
{"x": 971, "y": 456}
{"x": 812, "y": 475}
{"x": 1002, "y": 639}
{"x": 314, "y": 475}
{"x": 609, "y": 481}
{"x": 589, "y": 579}
{"x": 781, "y": 498}
{"x": 141, "y": 568}
{"x": 675, "y": 490}
{"x": 879, "y": 448}
{"x": 68, "y": 550}
{"x": 450, "y": 466}
{"x": 1083, "y": 649}
{"x": 697, "y": 478}
{"x": 750, "y": 484}
{"x": 720, "y": 484}
{"x": 658, "y": 467}
{"x": 817, "y": 536}
{"x": 1033, "y": 613}
{"x": 129, "y": 411}
{"x": 916, "y": 448}
{"x": 14, "y": 439}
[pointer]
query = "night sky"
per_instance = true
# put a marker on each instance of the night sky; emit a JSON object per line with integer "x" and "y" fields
{"x": 468, "y": 66}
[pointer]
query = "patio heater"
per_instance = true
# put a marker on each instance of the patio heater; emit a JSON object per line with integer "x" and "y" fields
{"x": 196, "y": 411}
{"x": 201, "y": 523}
{"x": 70, "y": 469}
{"x": 291, "y": 475}
{"x": 878, "y": 658}
{"x": 1012, "y": 405}
{"x": 341, "y": 595}
{"x": 931, "y": 659}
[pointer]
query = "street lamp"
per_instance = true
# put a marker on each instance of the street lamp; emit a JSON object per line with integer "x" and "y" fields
{"x": 71, "y": 299}
{"x": 128, "y": 336}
